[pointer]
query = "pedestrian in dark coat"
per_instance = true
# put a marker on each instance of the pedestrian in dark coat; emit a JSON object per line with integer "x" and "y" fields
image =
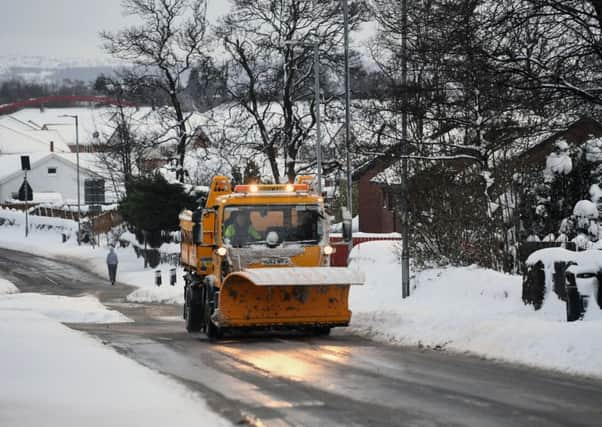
{"x": 112, "y": 262}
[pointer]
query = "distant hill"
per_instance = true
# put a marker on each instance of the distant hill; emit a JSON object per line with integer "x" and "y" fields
{"x": 40, "y": 69}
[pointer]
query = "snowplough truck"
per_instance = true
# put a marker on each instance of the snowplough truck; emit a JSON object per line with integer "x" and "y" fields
{"x": 258, "y": 256}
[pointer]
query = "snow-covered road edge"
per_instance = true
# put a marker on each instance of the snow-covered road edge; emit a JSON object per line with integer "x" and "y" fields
{"x": 470, "y": 310}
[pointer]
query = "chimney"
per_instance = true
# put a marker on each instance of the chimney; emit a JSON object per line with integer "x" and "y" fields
{"x": 52, "y": 146}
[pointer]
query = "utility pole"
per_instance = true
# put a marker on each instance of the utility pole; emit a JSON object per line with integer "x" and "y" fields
{"x": 347, "y": 122}
{"x": 317, "y": 101}
{"x": 79, "y": 205}
{"x": 79, "y": 211}
{"x": 405, "y": 247}
{"x": 26, "y": 205}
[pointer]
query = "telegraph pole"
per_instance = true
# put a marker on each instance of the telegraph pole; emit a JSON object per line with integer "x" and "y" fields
{"x": 26, "y": 205}
{"x": 79, "y": 206}
{"x": 347, "y": 122}
{"x": 317, "y": 102}
{"x": 405, "y": 247}
{"x": 79, "y": 209}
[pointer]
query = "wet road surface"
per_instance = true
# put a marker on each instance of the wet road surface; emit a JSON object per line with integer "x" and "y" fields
{"x": 341, "y": 380}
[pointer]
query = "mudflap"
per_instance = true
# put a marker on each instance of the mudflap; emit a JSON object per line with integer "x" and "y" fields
{"x": 255, "y": 300}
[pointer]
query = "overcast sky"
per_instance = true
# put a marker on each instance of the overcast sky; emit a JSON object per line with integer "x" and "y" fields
{"x": 65, "y": 28}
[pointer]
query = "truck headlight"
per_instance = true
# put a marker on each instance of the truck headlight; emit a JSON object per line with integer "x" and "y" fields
{"x": 221, "y": 251}
{"x": 328, "y": 250}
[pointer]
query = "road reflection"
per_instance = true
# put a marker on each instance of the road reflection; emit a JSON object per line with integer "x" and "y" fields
{"x": 295, "y": 361}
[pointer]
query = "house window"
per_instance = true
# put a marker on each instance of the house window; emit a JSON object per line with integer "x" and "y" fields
{"x": 51, "y": 171}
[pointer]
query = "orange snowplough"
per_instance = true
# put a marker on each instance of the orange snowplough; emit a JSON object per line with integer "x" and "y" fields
{"x": 258, "y": 256}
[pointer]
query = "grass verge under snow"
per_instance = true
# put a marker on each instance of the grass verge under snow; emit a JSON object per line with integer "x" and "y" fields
{"x": 470, "y": 309}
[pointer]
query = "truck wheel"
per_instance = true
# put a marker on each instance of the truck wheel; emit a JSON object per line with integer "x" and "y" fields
{"x": 194, "y": 310}
{"x": 213, "y": 332}
{"x": 211, "y": 329}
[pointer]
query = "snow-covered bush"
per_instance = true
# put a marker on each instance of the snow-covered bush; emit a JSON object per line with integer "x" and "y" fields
{"x": 563, "y": 199}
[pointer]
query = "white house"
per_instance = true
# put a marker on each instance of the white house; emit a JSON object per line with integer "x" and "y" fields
{"x": 51, "y": 174}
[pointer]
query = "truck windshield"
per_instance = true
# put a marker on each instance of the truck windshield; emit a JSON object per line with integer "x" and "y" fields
{"x": 272, "y": 225}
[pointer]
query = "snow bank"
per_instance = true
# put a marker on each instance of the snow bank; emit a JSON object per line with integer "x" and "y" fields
{"x": 86, "y": 309}
{"x": 79, "y": 381}
{"x": 7, "y": 287}
{"x": 17, "y": 217}
{"x": 469, "y": 309}
{"x": 149, "y": 293}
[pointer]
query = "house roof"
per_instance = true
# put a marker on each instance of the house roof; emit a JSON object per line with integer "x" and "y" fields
{"x": 90, "y": 120}
{"x": 531, "y": 150}
{"x": 17, "y": 137}
{"x": 576, "y": 133}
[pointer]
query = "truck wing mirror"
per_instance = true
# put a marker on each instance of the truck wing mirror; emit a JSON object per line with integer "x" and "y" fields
{"x": 347, "y": 224}
{"x": 197, "y": 227}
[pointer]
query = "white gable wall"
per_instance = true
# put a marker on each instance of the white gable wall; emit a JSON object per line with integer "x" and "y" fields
{"x": 63, "y": 182}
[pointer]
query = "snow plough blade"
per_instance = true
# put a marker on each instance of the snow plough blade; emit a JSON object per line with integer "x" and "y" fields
{"x": 295, "y": 297}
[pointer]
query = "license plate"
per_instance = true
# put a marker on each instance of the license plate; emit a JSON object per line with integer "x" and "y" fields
{"x": 276, "y": 261}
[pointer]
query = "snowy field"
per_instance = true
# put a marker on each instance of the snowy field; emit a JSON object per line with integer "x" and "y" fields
{"x": 56, "y": 376}
{"x": 47, "y": 242}
{"x": 470, "y": 309}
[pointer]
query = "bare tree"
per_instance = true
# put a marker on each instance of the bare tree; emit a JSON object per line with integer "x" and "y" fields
{"x": 464, "y": 110}
{"x": 270, "y": 44}
{"x": 168, "y": 43}
{"x": 552, "y": 48}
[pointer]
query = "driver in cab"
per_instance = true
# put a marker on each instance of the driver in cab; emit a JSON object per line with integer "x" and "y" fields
{"x": 240, "y": 230}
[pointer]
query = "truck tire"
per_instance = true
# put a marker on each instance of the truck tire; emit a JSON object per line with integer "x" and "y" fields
{"x": 193, "y": 308}
{"x": 211, "y": 329}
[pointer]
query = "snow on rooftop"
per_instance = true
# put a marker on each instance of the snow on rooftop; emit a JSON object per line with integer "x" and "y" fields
{"x": 90, "y": 120}
{"x": 17, "y": 138}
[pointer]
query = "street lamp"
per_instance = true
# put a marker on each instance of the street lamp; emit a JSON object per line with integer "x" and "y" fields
{"x": 317, "y": 102}
{"x": 79, "y": 212}
{"x": 405, "y": 244}
{"x": 347, "y": 123}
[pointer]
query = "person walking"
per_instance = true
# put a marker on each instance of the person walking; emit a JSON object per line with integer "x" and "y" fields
{"x": 112, "y": 262}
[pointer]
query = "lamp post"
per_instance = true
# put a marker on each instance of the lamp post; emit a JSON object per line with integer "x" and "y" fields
{"x": 347, "y": 122}
{"x": 405, "y": 255}
{"x": 317, "y": 102}
{"x": 79, "y": 212}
